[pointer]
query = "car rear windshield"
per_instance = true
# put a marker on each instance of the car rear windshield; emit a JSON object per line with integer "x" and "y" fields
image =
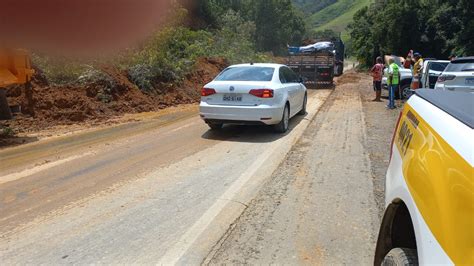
{"x": 461, "y": 66}
{"x": 250, "y": 73}
{"x": 438, "y": 66}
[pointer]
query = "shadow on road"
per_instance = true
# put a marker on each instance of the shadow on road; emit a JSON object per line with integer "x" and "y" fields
{"x": 251, "y": 134}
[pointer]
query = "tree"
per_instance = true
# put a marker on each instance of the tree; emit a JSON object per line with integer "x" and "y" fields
{"x": 434, "y": 28}
{"x": 278, "y": 24}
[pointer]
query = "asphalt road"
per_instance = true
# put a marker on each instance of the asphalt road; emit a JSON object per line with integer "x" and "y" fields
{"x": 166, "y": 190}
{"x": 161, "y": 191}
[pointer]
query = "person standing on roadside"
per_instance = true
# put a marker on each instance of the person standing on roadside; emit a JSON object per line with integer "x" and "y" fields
{"x": 377, "y": 72}
{"x": 408, "y": 61}
{"x": 417, "y": 69}
{"x": 392, "y": 82}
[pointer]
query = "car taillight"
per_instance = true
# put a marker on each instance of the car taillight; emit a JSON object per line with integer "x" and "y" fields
{"x": 394, "y": 134}
{"x": 262, "y": 93}
{"x": 207, "y": 91}
{"x": 443, "y": 78}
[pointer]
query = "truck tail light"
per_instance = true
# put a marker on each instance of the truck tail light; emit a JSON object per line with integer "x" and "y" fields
{"x": 394, "y": 134}
{"x": 207, "y": 91}
{"x": 262, "y": 93}
{"x": 443, "y": 78}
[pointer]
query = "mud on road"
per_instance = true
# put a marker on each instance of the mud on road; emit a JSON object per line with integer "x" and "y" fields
{"x": 323, "y": 204}
{"x": 113, "y": 205}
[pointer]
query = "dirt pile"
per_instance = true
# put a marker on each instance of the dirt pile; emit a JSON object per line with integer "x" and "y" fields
{"x": 45, "y": 106}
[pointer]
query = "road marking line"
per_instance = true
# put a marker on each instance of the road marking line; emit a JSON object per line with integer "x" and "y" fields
{"x": 182, "y": 127}
{"x": 31, "y": 171}
{"x": 174, "y": 254}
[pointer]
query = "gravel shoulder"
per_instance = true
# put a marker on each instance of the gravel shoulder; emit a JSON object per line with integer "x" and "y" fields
{"x": 324, "y": 202}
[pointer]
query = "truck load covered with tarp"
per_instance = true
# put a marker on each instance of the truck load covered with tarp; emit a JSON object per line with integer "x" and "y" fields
{"x": 318, "y": 47}
{"x": 318, "y": 62}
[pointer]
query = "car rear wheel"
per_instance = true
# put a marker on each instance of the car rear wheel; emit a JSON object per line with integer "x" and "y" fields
{"x": 401, "y": 257}
{"x": 215, "y": 126}
{"x": 303, "y": 109}
{"x": 282, "y": 127}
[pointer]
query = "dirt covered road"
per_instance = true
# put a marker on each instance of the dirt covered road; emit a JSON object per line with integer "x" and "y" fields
{"x": 323, "y": 204}
{"x": 163, "y": 189}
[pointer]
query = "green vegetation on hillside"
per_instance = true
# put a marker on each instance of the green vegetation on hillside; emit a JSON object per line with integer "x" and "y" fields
{"x": 337, "y": 16}
{"x": 330, "y": 16}
{"x": 237, "y": 31}
{"x": 312, "y": 6}
{"x": 436, "y": 28}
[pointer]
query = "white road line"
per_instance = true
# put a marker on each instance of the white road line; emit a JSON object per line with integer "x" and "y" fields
{"x": 31, "y": 171}
{"x": 174, "y": 254}
{"x": 183, "y": 127}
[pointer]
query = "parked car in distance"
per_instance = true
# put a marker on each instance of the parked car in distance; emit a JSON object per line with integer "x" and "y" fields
{"x": 429, "y": 186}
{"x": 262, "y": 94}
{"x": 406, "y": 77}
{"x": 458, "y": 75}
{"x": 432, "y": 69}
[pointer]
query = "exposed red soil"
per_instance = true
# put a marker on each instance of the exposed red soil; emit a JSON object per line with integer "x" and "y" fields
{"x": 63, "y": 105}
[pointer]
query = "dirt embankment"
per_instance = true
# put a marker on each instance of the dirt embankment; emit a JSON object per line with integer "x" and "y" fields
{"x": 46, "y": 106}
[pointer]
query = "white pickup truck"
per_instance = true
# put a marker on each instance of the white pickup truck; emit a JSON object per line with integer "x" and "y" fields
{"x": 429, "y": 188}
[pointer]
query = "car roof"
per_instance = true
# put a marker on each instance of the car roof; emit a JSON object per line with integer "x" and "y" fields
{"x": 463, "y": 59}
{"x": 435, "y": 60}
{"x": 456, "y": 103}
{"x": 259, "y": 65}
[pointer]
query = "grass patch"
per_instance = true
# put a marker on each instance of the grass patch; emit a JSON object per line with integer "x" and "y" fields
{"x": 337, "y": 16}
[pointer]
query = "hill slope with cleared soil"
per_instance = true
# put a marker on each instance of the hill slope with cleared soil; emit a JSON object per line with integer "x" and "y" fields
{"x": 48, "y": 105}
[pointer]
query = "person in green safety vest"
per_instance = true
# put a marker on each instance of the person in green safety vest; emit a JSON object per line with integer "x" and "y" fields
{"x": 393, "y": 81}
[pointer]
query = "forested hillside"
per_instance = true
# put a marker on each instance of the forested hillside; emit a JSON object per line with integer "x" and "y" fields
{"x": 433, "y": 27}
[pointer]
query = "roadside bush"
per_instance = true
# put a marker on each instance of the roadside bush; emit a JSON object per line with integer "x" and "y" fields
{"x": 59, "y": 71}
{"x": 142, "y": 76}
{"x": 171, "y": 53}
{"x": 6, "y": 132}
{"x": 234, "y": 41}
{"x": 168, "y": 56}
{"x": 95, "y": 76}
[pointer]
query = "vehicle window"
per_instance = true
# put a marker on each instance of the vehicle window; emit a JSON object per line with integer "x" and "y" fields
{"x": 287, "y": 75}
{"x": 436, "y": 66}
{"x": 250, "y": 73}
{"x": 282, "y": 75}
{"x": 292, "y": 74}
{"x": 459, "y": 67}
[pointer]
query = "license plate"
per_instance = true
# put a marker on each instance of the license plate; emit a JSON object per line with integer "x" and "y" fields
{"x": 470, "y": 81}
{"x": 232, "y": 98}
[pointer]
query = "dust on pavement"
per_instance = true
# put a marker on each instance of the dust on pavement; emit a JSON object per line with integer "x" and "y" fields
{"x": 322, "y": 205}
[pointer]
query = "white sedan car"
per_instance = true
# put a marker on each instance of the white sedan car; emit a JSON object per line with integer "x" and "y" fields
{"x": 266, "y": 94}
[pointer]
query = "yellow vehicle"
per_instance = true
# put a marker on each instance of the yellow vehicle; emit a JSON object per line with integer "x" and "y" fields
{"x": 429, "y": 217}
{"x": 15, "y": 68}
